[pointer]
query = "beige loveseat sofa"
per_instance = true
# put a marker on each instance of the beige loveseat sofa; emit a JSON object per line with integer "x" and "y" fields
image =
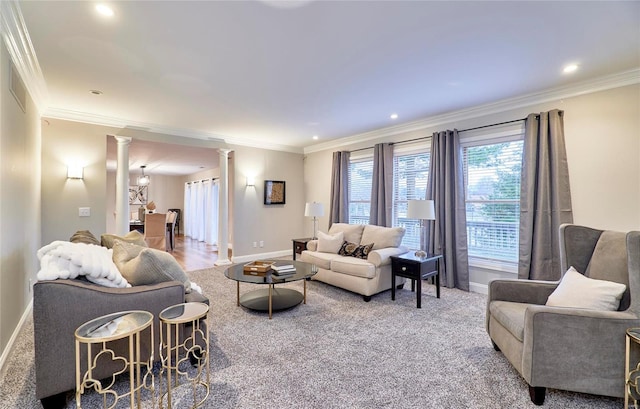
{"x": 333, "y": 254}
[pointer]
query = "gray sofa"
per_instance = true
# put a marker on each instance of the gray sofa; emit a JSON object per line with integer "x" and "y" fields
{"x": 561, "y": 347}
{"x": 362, "y": 276}
{"x": 61, "y": 306}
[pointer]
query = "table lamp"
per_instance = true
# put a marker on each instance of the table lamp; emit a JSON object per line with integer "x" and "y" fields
{"x": 314, "y": 210}
{"x": 422, "y": 210}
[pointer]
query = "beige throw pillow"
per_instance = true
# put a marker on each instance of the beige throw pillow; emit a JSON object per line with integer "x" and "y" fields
{"x": 382, "y": 237}
{"x": 578, "y": 291}
{"x": 135, "y": 237}
{"x": 84, "y": 236}
{"x": 143, "y": 266}
{"x": 330, "y": 243}
{"x": 352, "y": 232}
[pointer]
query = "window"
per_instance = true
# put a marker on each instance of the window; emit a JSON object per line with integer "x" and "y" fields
{"x": 360, "y": 177}
{"x": 410, "y": 176}
{"x": 492, "y": 197}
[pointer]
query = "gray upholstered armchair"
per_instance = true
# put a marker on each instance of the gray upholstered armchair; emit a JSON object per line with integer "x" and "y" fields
{"x": 566, "y": 348}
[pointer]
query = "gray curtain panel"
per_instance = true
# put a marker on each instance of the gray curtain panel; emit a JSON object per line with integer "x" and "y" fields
{"x": 382, "y": 186}
{"x": 339, "y": 207}
{"x": 448, "y": 233}
{"x": 545, "y": 196}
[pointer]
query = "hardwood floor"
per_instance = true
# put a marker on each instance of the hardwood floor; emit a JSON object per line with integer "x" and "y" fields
{"x": 194, "y": 255}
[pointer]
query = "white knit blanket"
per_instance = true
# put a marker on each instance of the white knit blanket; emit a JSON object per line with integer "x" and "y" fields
{"x": 63, "y": 259}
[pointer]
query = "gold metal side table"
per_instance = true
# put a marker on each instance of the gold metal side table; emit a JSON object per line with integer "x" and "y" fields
{"x": 94, "y": 335}
{"x": 632, "y": 378}
{"x": 176, "y": 356}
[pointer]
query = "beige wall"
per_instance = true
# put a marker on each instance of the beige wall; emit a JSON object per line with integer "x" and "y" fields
{"x": 64, "y": 142}
{"x": 253, "y": 221}
{"x": 602, "y": 131}
{"x": 19, "y": 205}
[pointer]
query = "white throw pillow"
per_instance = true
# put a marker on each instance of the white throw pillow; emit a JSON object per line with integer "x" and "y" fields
{"x": 330, "y": 243}
{"x": 578, "y": 291}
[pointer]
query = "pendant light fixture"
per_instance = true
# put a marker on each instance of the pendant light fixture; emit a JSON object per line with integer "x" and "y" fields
{"x": 143, "y": 180}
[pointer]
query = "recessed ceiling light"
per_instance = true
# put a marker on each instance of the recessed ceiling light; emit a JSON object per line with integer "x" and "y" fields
{"x": 104, "y": 10}
{"x": 570, "y": 68}
{"x": 95, "y": 92}
{"x": 315, "y": 137}
{"x": 394, "y": 116}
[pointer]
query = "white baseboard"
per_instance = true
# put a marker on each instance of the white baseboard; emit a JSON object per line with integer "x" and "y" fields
{"x": 260, "y": 256}
{"x": 7, "y": 351}
{"x": 478, "y": 288}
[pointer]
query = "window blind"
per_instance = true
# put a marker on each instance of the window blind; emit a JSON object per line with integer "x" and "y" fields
{"x": 410, "y": 177}
{"x": 492, "y": 196}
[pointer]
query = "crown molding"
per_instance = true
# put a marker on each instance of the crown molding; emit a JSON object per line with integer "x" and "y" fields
{"x": 103, "y": 120}
{"x": 586, "y": 87}
{"x": 16, "y": 39}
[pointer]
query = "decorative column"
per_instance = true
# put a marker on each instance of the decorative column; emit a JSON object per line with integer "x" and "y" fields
{"x": 122, "y": 186}
{"x": 223, "y": 210}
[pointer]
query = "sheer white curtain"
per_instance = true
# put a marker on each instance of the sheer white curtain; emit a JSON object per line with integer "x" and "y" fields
{"x": 201, "y": 210}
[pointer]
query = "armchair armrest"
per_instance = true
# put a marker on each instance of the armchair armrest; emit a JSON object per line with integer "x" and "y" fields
{"x": 574, "y": 337}
{"x": 524, "y": 291}
{"x": 382, "y": 257}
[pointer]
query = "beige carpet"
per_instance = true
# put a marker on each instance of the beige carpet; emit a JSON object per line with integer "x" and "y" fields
{"x": 340, "y": 352}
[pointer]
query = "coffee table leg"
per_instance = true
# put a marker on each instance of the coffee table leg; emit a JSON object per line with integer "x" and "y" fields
{"x": 270, "y": 295}
{"x": 419, "y": 293}
{"x": 238, "y": 293}
{"x": 304, "y": 296}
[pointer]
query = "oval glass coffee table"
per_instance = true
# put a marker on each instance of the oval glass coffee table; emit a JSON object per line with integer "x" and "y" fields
{"x": 271, "y": 298}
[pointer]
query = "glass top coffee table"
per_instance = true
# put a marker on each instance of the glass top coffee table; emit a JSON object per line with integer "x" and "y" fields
{"x": 271, "y": 298}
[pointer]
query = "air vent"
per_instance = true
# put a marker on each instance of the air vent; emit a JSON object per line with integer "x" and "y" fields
{"x": 17, "y": 88}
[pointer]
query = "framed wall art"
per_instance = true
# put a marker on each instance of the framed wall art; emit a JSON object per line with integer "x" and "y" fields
{"x": 274, "y": 192}
{"x": 138, "y": 195}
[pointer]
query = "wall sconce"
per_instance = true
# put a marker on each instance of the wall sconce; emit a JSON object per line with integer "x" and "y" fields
{"x": 75, "y": 172}
{"x": 251, "y": 181}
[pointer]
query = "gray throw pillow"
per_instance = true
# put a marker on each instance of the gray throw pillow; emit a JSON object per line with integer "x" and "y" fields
{"x": 135, "y": 237}
{"x": 144, "y": 266}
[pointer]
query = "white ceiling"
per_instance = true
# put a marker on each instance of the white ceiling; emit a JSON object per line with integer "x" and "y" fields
{"x": 274, "y": 74}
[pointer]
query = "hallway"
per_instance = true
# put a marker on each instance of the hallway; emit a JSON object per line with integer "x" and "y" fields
{"x": 193, "y": 254}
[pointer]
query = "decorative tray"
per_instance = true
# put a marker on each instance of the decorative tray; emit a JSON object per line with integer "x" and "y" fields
{"x": 258, "y": 266}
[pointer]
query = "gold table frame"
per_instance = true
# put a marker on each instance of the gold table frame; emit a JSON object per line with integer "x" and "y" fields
{"x": 121, "y": 325}
{"x": 171, "y": 349}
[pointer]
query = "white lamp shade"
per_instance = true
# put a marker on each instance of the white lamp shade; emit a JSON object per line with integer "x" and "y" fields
{"x": 421, "y": 209}
{"x": 314, "y": 209}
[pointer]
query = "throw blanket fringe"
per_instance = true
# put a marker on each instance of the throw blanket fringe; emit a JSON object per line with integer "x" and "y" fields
{"x": 66, "y": 260}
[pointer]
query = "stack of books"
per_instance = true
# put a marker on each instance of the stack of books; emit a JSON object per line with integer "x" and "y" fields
{"x": 283, "y": 270}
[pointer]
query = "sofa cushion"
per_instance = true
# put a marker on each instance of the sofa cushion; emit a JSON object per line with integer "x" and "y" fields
{"x": 321, "y": 260}
{"x": 382, "y": 237}
{"x": 142, "y": 265}
{"x": 135, "y": 237}
{"x": 352, "y": 232}
{"x": 578, "y": 291}
{"x": 330, "y": 243}
{"x": 354, "y": 250}
{"x": 510, "y": 315}
{"x": 353, "y": 266}
{"x": 84, "y": 236}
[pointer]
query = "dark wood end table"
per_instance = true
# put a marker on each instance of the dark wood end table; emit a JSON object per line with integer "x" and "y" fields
{"x": 416, "y": 268}
{"x": 300, "y": 245}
